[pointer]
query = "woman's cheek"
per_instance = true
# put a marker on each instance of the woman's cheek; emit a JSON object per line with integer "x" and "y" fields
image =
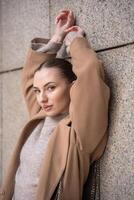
{"x": 55, "y": 96}
{"x": 60, "y": 96}
{"x": 37, "y": 97}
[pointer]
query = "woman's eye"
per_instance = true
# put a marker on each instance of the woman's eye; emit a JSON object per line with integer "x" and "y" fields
{"x": 51, "y": 88}
{"x": 36, "y": 91}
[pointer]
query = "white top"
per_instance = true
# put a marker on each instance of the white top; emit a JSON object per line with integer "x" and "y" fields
{"x": 32, "y": 153}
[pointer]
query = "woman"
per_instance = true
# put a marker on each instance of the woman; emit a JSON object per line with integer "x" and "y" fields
{"x": 68, "y": 118}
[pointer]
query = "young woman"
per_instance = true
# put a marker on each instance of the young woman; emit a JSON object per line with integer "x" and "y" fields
{"x": 68, "y": 108}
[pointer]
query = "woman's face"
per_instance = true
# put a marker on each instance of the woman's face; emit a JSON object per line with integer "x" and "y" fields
{"x": 52, "y": 91}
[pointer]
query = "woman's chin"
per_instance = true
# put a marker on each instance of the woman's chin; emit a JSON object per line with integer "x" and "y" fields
{"x": 52, "y": 113}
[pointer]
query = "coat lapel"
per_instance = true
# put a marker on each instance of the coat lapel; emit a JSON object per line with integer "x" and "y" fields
{"x": 54, "y": 162}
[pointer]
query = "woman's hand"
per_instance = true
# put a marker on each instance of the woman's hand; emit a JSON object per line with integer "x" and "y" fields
{"x": 72, "y": 33}
{"x": 63, "y": 21}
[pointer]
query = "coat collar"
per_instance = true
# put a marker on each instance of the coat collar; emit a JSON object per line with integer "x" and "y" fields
{"x": 41, "y": 115}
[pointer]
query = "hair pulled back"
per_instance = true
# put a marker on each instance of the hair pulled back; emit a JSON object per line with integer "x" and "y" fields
{"x": 64, "y": 66}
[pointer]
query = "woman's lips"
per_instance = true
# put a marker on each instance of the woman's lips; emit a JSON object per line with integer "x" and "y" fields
{"x": 47, "y": 108}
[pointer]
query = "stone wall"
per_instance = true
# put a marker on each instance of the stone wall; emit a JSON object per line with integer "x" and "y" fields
{"x": 110, "y": 28}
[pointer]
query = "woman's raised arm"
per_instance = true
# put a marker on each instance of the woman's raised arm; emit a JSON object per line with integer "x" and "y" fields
{"x": 33, "y": 61}
{"x": 40, "y": 51}
{"x": 89, "y": 96}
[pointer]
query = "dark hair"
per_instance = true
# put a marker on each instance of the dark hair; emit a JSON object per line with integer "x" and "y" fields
{"x": 63, "y": 65}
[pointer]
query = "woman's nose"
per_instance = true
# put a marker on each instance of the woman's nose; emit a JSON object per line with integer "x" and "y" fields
{"x": 43, "y": 97}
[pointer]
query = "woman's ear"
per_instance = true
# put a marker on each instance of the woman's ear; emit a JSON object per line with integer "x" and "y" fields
{"x": 72, "y": 83}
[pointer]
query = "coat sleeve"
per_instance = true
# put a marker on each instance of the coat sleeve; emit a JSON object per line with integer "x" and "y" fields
{"x": 33, "y": 61}
{"x": 89, "y": 96}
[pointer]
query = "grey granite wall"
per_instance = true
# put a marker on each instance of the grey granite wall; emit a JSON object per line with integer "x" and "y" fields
{"x": 117, "y": 164}
{"x": 110, "y": 28}
{"x": 0, "y": 98}
{"x": 0, "y": 131}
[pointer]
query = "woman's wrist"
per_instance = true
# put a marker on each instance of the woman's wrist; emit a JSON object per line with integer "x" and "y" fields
{"x": 57, "y": 38}
{"x": 69, "y": 39}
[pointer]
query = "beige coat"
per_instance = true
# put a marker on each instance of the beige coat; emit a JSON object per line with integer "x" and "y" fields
{"x": 79, "y": 138}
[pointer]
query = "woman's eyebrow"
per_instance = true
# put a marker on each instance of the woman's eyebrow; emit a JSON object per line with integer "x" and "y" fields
{"x": 48, "y": 83}
{"x": 34, "y": 87}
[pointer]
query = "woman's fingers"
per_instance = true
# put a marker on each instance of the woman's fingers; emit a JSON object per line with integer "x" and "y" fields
{"x": 66, "y": 15}
{"x": 77, "y": 29}
{"x": 62, "y": 14}
{"x": 73, "y": 28}
{"x": 71, "y": 19}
